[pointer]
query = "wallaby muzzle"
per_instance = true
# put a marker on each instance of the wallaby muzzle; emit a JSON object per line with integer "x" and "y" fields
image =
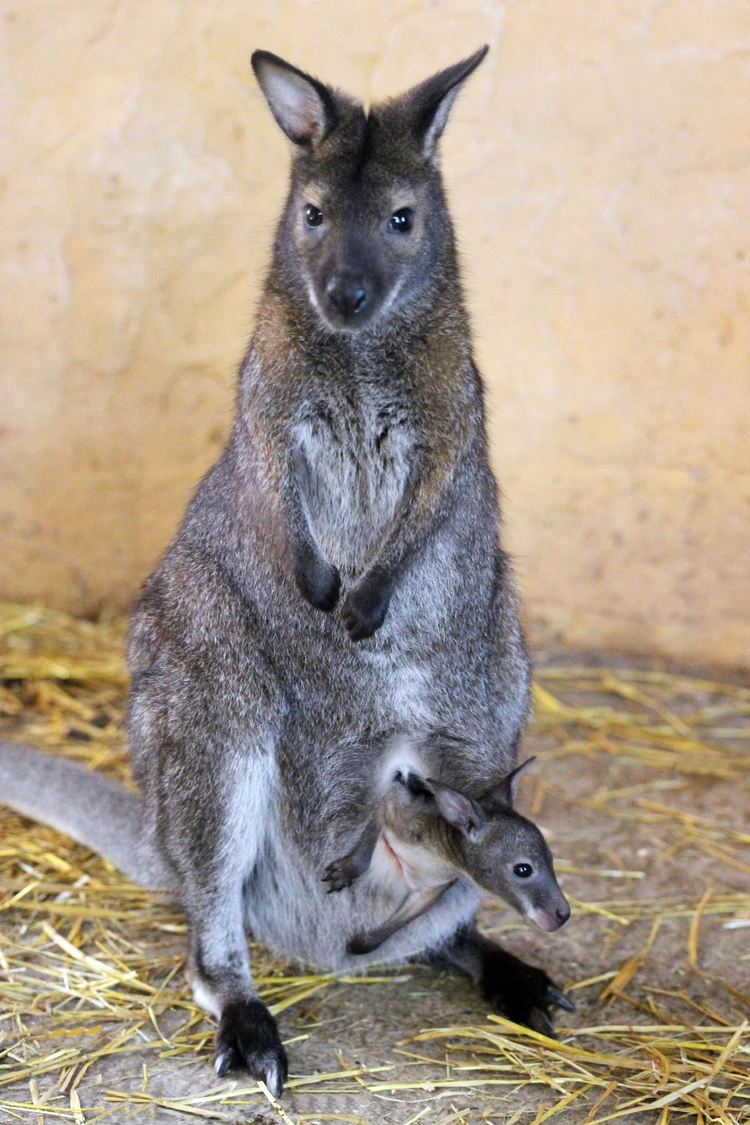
{"x": 550, "y": 919}
{"x": 347, "y": 295}
{"x": 350, "y": 284}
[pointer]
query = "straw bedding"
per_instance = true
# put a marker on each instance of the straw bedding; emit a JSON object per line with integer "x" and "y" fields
{"x": 643, "y": 791}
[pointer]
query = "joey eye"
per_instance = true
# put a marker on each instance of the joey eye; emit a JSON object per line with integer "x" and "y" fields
{"x": 523, "y": 870}
{"x": 313, "y": 217}
{"x": 401, "y": 221}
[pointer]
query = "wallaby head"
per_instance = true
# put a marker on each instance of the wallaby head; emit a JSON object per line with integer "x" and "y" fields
{"x": 502, "y": 851}
{"x": 366, "y": 227}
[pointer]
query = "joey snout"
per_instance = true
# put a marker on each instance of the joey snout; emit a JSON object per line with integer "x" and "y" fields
{"x": 549, "y": 919}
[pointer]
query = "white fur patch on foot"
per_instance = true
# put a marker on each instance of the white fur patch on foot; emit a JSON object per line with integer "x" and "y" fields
{"x": 205, "y": 998}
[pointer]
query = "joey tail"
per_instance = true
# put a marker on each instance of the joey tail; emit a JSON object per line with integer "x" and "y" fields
{"x": 95, "y": 810}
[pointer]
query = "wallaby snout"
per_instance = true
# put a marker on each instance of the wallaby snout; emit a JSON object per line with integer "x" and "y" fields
{"x": 348, "y": 295}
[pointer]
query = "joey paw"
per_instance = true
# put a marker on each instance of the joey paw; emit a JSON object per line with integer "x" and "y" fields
{"x": 338, "y": 875}
{"x": 361, "y": 943}
{"x": 365, "y": 606}
{"x": 524, "y": 994}
{"x": 248, "y": 1037}
{"x": 318, "y": 581}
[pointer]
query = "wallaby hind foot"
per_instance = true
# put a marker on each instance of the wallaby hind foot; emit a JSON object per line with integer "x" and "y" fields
{"x": 248, "y": 1037}
{"x": 520, "y": 992}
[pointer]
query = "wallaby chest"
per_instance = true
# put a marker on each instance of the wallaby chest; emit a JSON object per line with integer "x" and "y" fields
{"x": 358, "y": 445}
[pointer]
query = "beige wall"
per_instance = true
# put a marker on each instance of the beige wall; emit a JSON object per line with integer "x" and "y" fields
{"x": 600, "y": 170}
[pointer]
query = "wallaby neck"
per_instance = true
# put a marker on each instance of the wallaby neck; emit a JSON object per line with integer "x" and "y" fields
{"x": 289, "y": 333}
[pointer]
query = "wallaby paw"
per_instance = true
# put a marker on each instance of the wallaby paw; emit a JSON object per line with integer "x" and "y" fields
{"x": 339, "y": 875}
{"x": 524, "y": 994}
{"x": 362, "y": 943}
{"x": 365, "y": 607}
{"x": 248, "y": 1038}
{"x": 318, "y": 581}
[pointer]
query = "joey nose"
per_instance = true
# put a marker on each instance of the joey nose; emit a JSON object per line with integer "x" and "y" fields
{"x": 347, "y": 295}
{"x": 563, "y": 913}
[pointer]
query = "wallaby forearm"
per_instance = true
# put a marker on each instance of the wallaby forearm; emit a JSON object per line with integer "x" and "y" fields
{"x": 342, "y": 872}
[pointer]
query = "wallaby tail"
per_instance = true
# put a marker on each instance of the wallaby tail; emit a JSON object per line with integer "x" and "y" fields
{"x": 98, "y": 812}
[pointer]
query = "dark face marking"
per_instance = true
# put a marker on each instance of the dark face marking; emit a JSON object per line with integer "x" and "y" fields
{"x": 366, "y": 222}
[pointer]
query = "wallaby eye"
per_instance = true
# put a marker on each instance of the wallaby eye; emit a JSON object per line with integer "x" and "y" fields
{"x": 523, "y": 870}
{"x": 313, "y": 217}
{"x": 401, "y": 221}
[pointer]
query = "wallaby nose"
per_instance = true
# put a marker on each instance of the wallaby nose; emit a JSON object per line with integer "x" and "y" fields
{"x": 563, "y": 913}
{"x": 348, "y": 296}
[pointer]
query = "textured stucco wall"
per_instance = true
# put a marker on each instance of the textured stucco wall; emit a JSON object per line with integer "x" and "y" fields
{"x": 599, "y": 167}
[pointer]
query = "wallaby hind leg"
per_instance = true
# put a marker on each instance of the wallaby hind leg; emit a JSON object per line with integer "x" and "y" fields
{"x": 519, "y": 991}
{"x": 342, "y": 872}
{"x": 211, "y": 775}
{"x": 247, "y": 1035}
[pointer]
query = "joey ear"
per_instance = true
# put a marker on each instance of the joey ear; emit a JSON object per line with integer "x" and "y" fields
{"x": 431, "y": 101}
{"x": 456, "y": 808}
{"x": 304, "y": 108}
{"x": 501, "y": 797}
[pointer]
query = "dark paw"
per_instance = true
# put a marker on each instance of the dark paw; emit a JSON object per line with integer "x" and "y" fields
{"x": 248, "y": 1037}
{"x": 319, "y": 582}
{"x": 362, "y": 943}
{"x": 522, "y": 993}
{"x": 365, "y": 606}
{"x": 339, "y": 874}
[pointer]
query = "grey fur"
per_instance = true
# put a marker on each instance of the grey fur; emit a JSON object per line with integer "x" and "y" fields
{"x": 65, "y": 794}
{"x": 356, "y": 481}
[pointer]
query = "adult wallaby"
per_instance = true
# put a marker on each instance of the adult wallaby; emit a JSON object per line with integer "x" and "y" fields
{"x": 337, "y": 576}
{"x": 428, "y": 835}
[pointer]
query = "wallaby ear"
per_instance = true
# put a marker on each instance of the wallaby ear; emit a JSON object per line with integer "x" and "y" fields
{"x": 431, "y": 102}
{"x": 459, "y": 810}
{"x": 304, "y": 108}
{"x": 501, "y": 797}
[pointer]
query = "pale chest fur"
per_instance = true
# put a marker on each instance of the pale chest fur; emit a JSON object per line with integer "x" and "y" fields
{"x": 422, "y": 867}
{"x": 405, "y": 851}
{"x": 359, "y": 454}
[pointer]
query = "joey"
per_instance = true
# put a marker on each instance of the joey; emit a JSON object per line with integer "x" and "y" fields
{"x": 437, "y": 834}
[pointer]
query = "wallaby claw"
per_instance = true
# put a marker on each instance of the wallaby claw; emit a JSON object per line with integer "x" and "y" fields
{"x": 224, "y": 1062}
{"x": 540, "y": 1021}
{"x": 558, "y": 999}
